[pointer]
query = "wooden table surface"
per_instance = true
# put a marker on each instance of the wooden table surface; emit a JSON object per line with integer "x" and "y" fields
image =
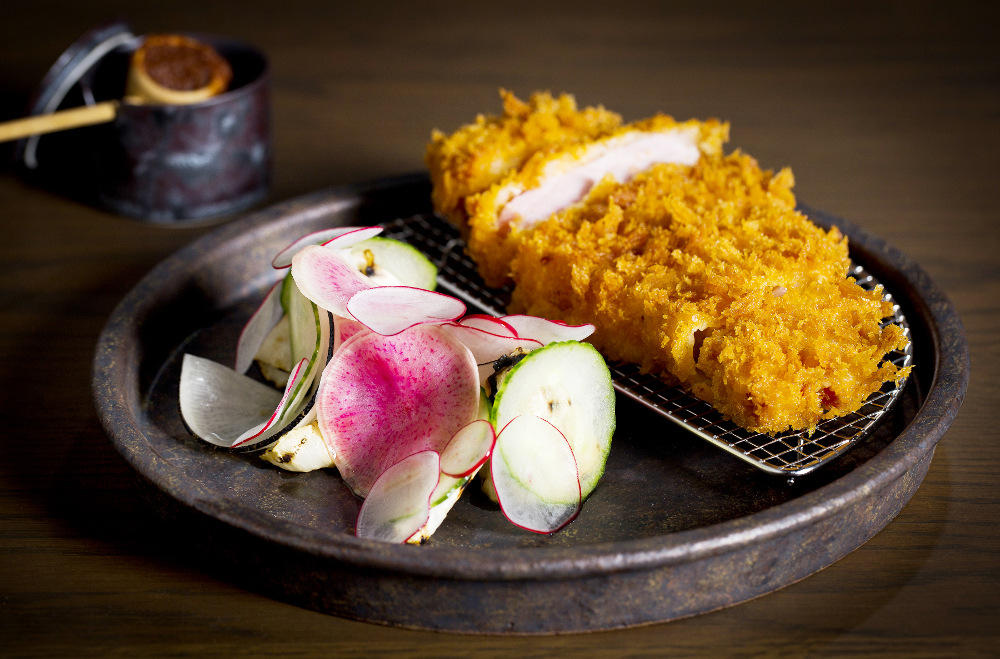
{"x": 888, "y": 113}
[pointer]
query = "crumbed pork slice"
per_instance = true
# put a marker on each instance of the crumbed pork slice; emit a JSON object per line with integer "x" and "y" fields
{"x": 479, "y": 154}
{"x": 708, "y": 276}
{"x": 555, "y": 179}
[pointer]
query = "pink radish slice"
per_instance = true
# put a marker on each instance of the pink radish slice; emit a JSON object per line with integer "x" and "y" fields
{"x": 326, "y": 278}
{"x": 382, "y": 398}
{"x": 345, "y": 328}
{"x": 486, "y": 347}
{"x": 535, "y": 475}
{"x": 389, "y": 310}
{"x": 489, "y": 324}
{"x": 263, "y": 320}
{"x": 468, "y": 450}
{"x": 345, "y": 236}
{"x": 547, "y": 331}
{"x": 226, "y": 408}
{"x": 399, "y": 501}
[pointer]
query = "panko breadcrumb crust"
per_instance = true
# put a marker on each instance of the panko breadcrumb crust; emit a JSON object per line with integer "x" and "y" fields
{"x": 479, "y": 154}
{"x": 708, "y": 276}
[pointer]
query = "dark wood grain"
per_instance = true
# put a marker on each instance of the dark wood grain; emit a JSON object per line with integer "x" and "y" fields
{"x": 888, "y": 113}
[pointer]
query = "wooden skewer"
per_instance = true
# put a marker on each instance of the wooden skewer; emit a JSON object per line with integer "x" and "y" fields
{"x": 88, "y": 115}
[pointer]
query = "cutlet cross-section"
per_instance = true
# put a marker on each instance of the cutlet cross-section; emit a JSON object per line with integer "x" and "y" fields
{"x": 478, "y": 155}
{"x": 695, "y": 265}
{"x": 554, "y": 179}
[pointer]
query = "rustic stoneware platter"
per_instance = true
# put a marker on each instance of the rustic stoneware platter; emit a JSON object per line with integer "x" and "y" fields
{"x": 676, "y": 527}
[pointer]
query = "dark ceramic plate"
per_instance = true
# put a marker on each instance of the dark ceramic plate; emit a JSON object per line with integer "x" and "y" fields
{"x": 676, "y": 527}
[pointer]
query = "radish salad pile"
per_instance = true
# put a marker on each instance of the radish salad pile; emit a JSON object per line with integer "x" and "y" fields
{"x": 371, "y": 371}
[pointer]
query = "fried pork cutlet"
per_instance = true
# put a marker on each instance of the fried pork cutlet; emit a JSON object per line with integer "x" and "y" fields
{"x": 551, "y": 180}
{"x": 709, "y": 276}
{"x": 694, "y": 265}
{"x": 478, "y": 155}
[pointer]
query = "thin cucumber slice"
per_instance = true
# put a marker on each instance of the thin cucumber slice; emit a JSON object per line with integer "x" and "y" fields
{"x": 308, "y": 338}
{"x": 391, "y": 262}
{"x": 569, "y": 385}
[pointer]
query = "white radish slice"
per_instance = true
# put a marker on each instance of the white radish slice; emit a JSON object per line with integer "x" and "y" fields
{"x": 284, "y": 415}
{"x": 255, "y": 332}
{"x": 389, "y": 310}
{"x": 490, "y": 324}
{"x": 223, "y": 407}
{"x": 465, "y": 455}
{"x": 535, "y": 476}
{"x": 285, "y": 256}
{"x": 382, "y": 398}
{"x": 324, "y": 277}
{"x": 398, "y": 503}
{"x": 468, "y": 450}
{"x": 547, "y": 331}
{"x": 487, "y": 347}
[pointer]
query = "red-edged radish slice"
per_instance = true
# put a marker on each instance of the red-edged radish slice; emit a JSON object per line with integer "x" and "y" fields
{"x": 389, "y": 310}
{"x": 285, "y": 256}
{"x": 385, "y": 397}
{"x": 399, "y": 502}
{"x": 535, "y": 475}
{"x": 490, "y": 324}
{"x": 226, "y": 408}
{"x": 468, "y": 450}
{"x": 487, "y": 347}
{"x": 324, "y": 277}
{"x": 254, "y": 333}
{"x": 286, "y": 411}
{"x": 343, "y": 329}
{"x": 547, "y": 331}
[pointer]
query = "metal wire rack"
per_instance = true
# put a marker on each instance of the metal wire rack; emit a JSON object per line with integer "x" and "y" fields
{"x": 788, "y": 454}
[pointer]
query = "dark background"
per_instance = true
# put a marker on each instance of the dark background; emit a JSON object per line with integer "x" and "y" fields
{"x": 888, "y": 114}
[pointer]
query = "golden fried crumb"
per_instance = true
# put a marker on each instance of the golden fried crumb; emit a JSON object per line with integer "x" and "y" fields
{"x": 703, "y": 273}
{"x": 478, "y": 155}
{"x": 493, "y": 239}
{"x": 708, "y": 275}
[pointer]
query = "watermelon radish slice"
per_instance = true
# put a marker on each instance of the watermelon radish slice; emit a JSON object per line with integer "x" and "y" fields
{"x": 325, "y": 278}
{"x": 535, "y": 475}
{"x": 389, "y": 310}
{"x": 569, "y": 385}
{"x": 345, "y": 238}
{"x": 345, "y": 328}
{"x": 399, "y": 501}
{"x": 545, "y": 330}
{"x": 382, "y": 398}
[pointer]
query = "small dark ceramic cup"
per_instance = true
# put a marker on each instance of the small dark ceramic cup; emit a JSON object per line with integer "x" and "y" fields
{"x": 169, "y": 164}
